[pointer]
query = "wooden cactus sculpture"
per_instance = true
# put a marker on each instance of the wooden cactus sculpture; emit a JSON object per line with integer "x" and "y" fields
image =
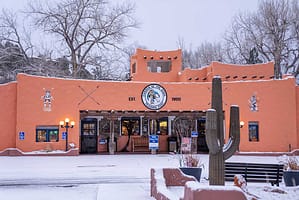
{"x": 218, "y": 151}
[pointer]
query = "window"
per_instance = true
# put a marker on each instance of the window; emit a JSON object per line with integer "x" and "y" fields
{"x": 130, "y": 126}
{"x": 159, "y": 127}
{"x": 47, "y": 133}
{"x": 163, "y": 126}
{"x": 159, "y": 66}
{"x": 133, "y": 68}
{"x": 145, "y": 125}
{"x": 105, "y": 126}
{"x": 253, "y": 128}
{"x": 89, "y": 127}
{"x": 201, "y": 126}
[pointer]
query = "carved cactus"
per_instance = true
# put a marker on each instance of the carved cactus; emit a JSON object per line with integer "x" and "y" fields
{"x": 218, "y": 151}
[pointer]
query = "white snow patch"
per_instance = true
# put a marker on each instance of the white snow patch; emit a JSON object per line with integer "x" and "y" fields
{"x": 161, "y": 185}
{"x": 114, "y": 176}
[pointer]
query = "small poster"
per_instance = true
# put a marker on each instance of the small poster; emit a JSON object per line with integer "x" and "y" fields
{"x": 21, "y": 135}
{"x": 103, "y": 141}
{"x": 64, "y": 135}
{"x": 186, "y": 144}
{"x": 194, "y": 134}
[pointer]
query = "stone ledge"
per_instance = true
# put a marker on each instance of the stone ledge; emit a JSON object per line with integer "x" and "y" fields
{"x": 196, "y": 191}
{"x": 163, "y": 178}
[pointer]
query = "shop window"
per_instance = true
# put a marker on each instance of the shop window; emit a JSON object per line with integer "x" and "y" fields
{"x": 159, "y": 127}
{"x": 153, "y": 127}
{"x": 145, "y": 125}
{"x": 105, "y": 127}
{"x": 159, "y": 66}
{"x": 163, "y": 126}
{"x": 47, "y": 133}
{"x": 201, "y": 126}
{"x": 253, "y": 128}
{"x": 130, "y": 126}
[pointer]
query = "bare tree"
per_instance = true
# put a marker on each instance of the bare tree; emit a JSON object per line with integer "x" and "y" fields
{"x": 202, "y": 55}
{"x": 126, "y": 54}
{"x": 17, "y": 52}
{"x": 84, "y": 27}
{"x": 110, "y": 66}
{"x": 272, "y": 31}
{"x": 13, "y": 52}
{"x": 208, "y": 52}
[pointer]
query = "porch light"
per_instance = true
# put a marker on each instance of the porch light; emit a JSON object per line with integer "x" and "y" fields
{"x": 242, "y": 123}
{"x": 66, "y": 124}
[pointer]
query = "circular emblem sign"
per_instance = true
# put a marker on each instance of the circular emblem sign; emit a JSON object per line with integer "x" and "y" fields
{"x": 154, "y": 96}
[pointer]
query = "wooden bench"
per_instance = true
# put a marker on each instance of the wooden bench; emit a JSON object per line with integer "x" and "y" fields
{"x": 140, "y": 143}
{"x": 255, "y": 172}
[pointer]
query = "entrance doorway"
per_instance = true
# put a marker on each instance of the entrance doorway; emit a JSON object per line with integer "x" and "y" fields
{"x": 89, "y": 135}
{"x": 97, "y": 126}
{"x": 201, "y": 129}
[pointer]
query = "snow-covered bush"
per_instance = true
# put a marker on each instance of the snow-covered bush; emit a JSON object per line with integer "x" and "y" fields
{"x": 290, "y": 163}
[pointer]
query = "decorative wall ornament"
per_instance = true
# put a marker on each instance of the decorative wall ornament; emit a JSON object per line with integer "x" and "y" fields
{"x": 154, "y": 96}
{"x": 89, "y": 95}
{"x": 47, "y": 100}
{"x": 253, "y": 103}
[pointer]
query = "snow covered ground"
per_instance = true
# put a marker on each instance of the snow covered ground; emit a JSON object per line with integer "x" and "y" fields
{"x": 104, "y": 177}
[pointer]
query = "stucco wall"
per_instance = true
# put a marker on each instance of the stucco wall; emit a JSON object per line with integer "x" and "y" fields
{"x": 276, "y": 102}
{"x": 143, "y": 56}
{"x": 8, "y": 115}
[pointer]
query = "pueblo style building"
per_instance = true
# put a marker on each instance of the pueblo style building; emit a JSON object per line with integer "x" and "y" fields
{"x": 159, "y": 99}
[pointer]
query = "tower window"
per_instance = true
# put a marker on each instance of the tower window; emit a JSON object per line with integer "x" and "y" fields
{"x": 159, "y": 66}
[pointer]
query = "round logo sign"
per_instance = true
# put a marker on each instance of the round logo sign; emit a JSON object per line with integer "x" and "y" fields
{"x": 154, "y": 96}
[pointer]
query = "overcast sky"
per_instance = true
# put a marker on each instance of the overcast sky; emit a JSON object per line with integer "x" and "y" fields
{"x": 163, "y": 22}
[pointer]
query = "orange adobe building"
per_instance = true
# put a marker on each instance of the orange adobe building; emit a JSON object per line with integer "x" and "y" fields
{"x": 118, "y": 116}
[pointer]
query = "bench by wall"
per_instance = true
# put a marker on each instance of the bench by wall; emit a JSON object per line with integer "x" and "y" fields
{"x": 140, "y": 143}
{"x": 255, "y": 172}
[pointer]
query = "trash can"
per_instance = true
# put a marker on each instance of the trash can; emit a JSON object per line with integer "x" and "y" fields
{"x": 172, "y": 144}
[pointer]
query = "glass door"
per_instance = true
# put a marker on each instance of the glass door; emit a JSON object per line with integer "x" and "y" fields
{"x": 89, "y": 135}
{"x": 201, "y": 140}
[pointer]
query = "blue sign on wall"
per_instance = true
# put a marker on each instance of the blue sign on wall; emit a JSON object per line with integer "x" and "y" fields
{"x": 153, "y": 142}
{"x": 64, "y": 135}
{"x": 194, "y": 134}
{"x": 21, "y": 135}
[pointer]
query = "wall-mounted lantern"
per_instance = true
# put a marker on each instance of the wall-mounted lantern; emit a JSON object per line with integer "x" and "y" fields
{"x": 242, "y": 123}
{"x": 66, "y": 124}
